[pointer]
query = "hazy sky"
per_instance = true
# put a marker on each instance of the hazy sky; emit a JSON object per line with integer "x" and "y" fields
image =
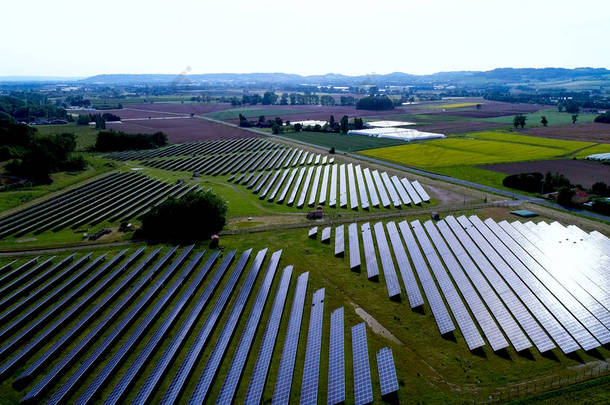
{"x": 76, "y": 38}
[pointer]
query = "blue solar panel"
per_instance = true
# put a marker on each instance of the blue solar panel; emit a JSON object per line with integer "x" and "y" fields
{"x": 60, "y": 343}
{"x": 441, "y": 315}
{"x": 353, "y": 195}
{"x": 388, "y": 382}
{"x": 383, "y": 195}
{"x": 336, "y": 359}
{"x": 295, "y": 188}
{"x": 261, "y": 368}
{"x": 391, "y": 190}
{"x": 166, "y": 359}
{"x": 387, "y": 264}
{"x": 460, "y": 312}
{"x": 281, "y": 393}
{"x": 371, "y": 187}
{"x": 342, "y": 187}
{"x": 406, "y": 272}
{"x": 29, "y": 274}
{"x": 339, "y": 241}
{"x": 187, "y": 365}
{"x": 311, "y": 369}
{"x": 136, "y": 367}
{"x": 404, "y": 196}
{"x": 332, "y": 199}
{"x": 278, "y": 185}
{"x": 306, "y": 184}
{"x": 282, "y": 196}
{"x": 143, "y": 326}
{"x": 372, "y": 268}
{"x": 85, "y": 366}
{"x": 314, "y": 187}
{"x": 363, "y": 389}
{"x": 324, "y": 185}
{"x": 364, "y": 200}
{"x": 10, "y": 275}
{"x": 354, "y": 247}
{"x": 245, "y": 343}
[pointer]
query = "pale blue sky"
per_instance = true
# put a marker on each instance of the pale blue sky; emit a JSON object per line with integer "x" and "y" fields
{"x": 76, "y": 38}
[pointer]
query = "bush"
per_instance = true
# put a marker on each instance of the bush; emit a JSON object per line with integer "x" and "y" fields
{"x": 108, "y": 141}
{"x": 603, "y": 118}
{"x": 196, "y": 216}
{"x": 530, "y": 182}
{"x": 565, "y": 196}
{"x": 601, "y": 189}
{"x": 601, "y": 207}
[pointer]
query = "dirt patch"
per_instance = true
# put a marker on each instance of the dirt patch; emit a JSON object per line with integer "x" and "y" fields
{"x": 183, "y": 130}
{"x": 375, "y": 326}
{"x": 25, "y": 240}
{"x": 492, "y": 109}
{"x": 586, "y": 131}
{"x": 457, "y": 127}
{"x": 582, "y": 172}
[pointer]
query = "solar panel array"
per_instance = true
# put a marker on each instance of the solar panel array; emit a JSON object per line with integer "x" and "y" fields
{"x": 370, "y": 257}
{"x": 117, "y": 196}
{"x": 311, "y": 368}
{"x": 363, "y": 388}
{"x": 387, "y": 372}
{"x": 336, "y": 359}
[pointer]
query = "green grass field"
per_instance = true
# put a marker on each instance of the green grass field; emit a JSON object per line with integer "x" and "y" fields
{"x": 268, "y": 112}
{"x": 553, "y": 116}
{"x": 342, "y": 142}
{"x": 458, "y": 156}
{"x": 86, "y": 135}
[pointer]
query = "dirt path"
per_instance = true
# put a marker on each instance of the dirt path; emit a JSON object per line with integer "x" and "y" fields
{"x": 375, "y": 326}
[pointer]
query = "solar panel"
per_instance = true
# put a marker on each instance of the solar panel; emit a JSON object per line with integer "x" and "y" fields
{"x": 371, "y": 187}
{"x": 332, "y": 199}
{"x": 24, "y": 277}
{"x": 19, "y": 269}
{"x": 406, "y": 272}
{"x": 441, "y": 315}
{"x": 85, "y": 366}
{"x": 354, "y": 247}
{"x": 313, "y": 232}
{"x": 324, "y": 159}
{"x": 488, "y": 325}
{"x": 278, "y": 185}
{"x": 281, "y": 393}
{"x": 387, "y": 264}
{"x": 467, "y": 326}
{"x": 324, "y": 185}
{"x": 411, "y": 191}
{"x": 372, "y": 268}
{"x": 561, "y": 303}
{"x": 261, "y": 368}
{"x": 325, "y": 235}
{"x": 580, "y": 287}
{"x": 314, "y": 187}
{"x": 388, "y": 382}
{"x": 262, "y": 183}
{"x": 236, "y": 368}
{"x": 363, "y": 389}
{"x": 317, "y": 161}
{"x": 295, "y": 188}
{"x": 144, "y": 356}
{"x": 391, "y": 190}
{"x": 400, "y": 189}
{"x": 282, "y": 196}
{"x": 342, "y": 187}
{"x": 364, "y": 200}
{"x": 271, "y": 182}
{"x": 420, "y": 190}
{"x": 339, "y": 241}
{"x": 353, "y": 195}
{"x": 144, "y": 326}
{"x": 531, "y": 327}
{"x": 306, "y": 185}
{"x": 336, "y": 359}
{"x": 311, "y": 369}
{"x": 177, "y": 341}
{"x": 385, "y": 201}
{"x": 295, "y": 161}
{"x": 194, "y": 352}
{"x": 310, "y": 158}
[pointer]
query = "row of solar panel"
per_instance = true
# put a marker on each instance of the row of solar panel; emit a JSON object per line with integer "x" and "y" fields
{"x": 197, "y": 148}
{"x": 121, "y": 195}
{"x": 515, "y": 291}
{"x": 319, "y": 185}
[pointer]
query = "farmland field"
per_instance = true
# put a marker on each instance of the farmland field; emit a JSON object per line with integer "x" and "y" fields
{"x": 553, "y": 116}
{"x": 86, "y": 135}
{"x": 586, "y": 131}
{"x": 458, "y": 105}
{"x": 457, "y": 156}
{"x": 268, "y": 112}
{"x": 342, "y": 142}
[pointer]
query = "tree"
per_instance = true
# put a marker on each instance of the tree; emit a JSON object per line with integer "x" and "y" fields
{"x": 269, "y": 98}
{"x": 344, "y": 124}
{"x": 332, "y": 150}
{"x": 108, "y": 141}
{"x": 544, "y": 121}
{"x": 358, "y": 123}
{"x": 261, "y": 119}
{"x": 83, "y": 119}
{"x": 601, "y": 189}
{"x": 574, "y": 118}
{"x": 479, "y": 106}
{"x": 275, "y": 128}
{"x": 564, "y": 197}
{"x": 571, "y": 107}
{"x": 519, "y": 120}
{"x": 284, "y": 99}
{"x": 375, "y": 103}
{"x": 298, "y": 127}
{"x": 603, "y": 118}
{"x": 195, "y": 216}
{"x": 279, "y": 121}
{"x": 560, "y": 107}
{"x": 331, "y": 121}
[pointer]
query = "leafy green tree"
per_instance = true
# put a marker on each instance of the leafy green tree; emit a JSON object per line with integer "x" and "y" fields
{"x": 269, "y": 98}
{"x": 275, "y": 128}
{"x": 331, "y": 121}
{"x": 603, "y": 118}
{"x": 279, "y": 121}
{"x": 564, "y": 197}
{"x": 574, "y": 118}
{"x": 519, "y": 121}
{"x": 284, "y": 99}
{"x": 195, "y": 216}
{"x": 344, "y": 124}
{"x": 298, "y": 127}
{"x": 358, "y": 123}
{"x": 544, "y": 121}
{"x": 261, "y": 119}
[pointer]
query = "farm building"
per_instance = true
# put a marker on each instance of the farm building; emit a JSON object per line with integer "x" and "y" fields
{"x": 387, "y": 124}
{"x": 404, "y": 134}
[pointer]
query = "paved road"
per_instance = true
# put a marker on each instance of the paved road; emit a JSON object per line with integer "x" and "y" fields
{"x": 477, "y": 186}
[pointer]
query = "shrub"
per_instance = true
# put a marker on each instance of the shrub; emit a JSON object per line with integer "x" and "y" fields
{"x": 603, "y": 118}
{"x": 118, "y": 141}
{"x": 195, "y": 216}
{"x": 530, "y": 182}
{"x": 375, "y": 103}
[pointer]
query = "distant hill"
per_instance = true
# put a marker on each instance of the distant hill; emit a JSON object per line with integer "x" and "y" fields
{"x": 501, "y": 76}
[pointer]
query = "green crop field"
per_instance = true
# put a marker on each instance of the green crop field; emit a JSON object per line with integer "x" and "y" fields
{"x": 86, "y": 135}
{"x": 342, "y": 142}
{"x": 459, "y": 156}
{"x": 268, "y": 112}
{"x": 553, "y": 116}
